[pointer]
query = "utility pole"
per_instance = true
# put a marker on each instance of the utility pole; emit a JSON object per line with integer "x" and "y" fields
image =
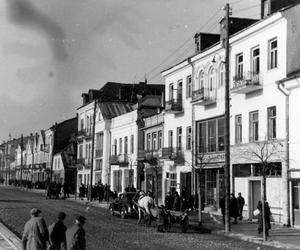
{"x": 21, "y": 146}
{"x": 227, "y": 121}
{"x": 93, "y": 146}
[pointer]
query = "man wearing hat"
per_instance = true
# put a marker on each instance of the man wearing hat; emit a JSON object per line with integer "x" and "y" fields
{"x": 35, "y": 235}
{"x": 57, "y": 233}
{"x": 76, "y": 235}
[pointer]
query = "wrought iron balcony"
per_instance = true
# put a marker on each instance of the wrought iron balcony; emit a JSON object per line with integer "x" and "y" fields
{"x": 84, "y": 134}
{"x": 174, "y": 106}
{"x": 198, "y": 95}
{"x": 121, "y": 159}
{"x": 150, "y": 156}
{"x": 176, "y": 154}
{"x": 209, "y": 98}
{"x": 247, "y": 83}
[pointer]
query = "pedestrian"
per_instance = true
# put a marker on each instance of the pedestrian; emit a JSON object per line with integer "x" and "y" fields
{"x": 169, "y": 201}
{"x": 222, "y": 206}
{"x": 240, "y": 204}
{"x": 176, "y": 203}
{"x": 35, "y": 235}
{"x": 267, "y": 218}
{"x": 57, "y": 233}
{"x": 233, "y": 208}
{"x": 76, "y": 235}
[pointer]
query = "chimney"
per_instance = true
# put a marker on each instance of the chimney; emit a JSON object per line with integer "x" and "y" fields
{"x": 269, "y": 7}
{"x": 85, "y": 98}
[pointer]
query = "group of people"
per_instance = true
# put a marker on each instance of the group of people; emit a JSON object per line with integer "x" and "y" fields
{"x": 178, "y": 203}
{"x": 99, "y": 192}
{"x": 56, "y": 189}
{"x": 236, "y": 206}
{"x": 37, "y": 236}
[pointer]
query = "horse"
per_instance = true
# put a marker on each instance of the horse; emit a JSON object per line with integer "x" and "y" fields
{"x": 144, "y": 204}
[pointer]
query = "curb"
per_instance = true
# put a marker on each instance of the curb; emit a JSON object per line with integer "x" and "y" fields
{"x": 275, "y": 244}
{"x": 10, "y": 237}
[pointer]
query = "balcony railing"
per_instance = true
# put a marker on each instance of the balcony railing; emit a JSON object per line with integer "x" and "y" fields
{"x": 198, "y": 94}
{"x": 84, "y": 133}
{"x": 176, "y": 154}
{"x": 99, "y": 153}
{"x": 121, "y": 159}
{"x": 246, "y": 83}
{"x": 210, "y": 97}
{"x": 174, "y": 106}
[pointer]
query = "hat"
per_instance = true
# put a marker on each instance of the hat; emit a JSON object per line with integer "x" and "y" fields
{"x": 80, "y": 218}
{"x": 61, "y": 215}
{"x": 35, "y": 211}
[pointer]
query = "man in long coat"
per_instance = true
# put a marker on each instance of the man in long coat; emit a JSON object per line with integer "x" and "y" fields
{"x": 57, "y": 233}
{"x": 76, "y": 235}
{"x": 35, "y": 235}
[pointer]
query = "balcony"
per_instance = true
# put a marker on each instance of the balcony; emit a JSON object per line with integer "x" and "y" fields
{"x": 84, "y": 134}
{"x": 99, "y": 153}
{"x": 198, "y": 95}
{"x": 247, "y": 83}
{"x": 150, "y": 156}
{"x": 175, "y": 154}
{"x": 174, "y": 106}
{"x": 121, "y": 160}
{"x": 209, "y": 98}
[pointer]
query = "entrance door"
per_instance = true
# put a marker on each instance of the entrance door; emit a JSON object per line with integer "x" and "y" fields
{"x": 185, "y": 182}
{"x": 255, "y": 195}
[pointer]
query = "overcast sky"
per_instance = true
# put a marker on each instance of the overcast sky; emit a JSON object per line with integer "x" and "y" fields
{"x": 52, "y": 51}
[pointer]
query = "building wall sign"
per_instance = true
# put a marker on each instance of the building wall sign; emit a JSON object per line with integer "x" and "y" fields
{"x": 211, "y": 158}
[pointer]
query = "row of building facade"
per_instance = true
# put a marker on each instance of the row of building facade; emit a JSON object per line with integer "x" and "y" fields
{"x": 170, "y": 137}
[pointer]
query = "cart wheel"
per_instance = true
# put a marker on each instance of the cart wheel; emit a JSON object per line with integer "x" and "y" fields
{"x": 185, "y": 225}
{"x": 123, "y": 213}
{"x": 112, "y": 211}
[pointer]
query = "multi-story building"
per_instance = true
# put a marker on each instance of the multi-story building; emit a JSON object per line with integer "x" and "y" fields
{"x": 152, "y": 153}
{"x": 261, "y": 53}
{"x": 112, "y": 100}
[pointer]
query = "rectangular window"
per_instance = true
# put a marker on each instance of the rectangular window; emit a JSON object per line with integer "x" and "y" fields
{"x": 132, "y": 144}
{"x": 221, "y": 131}
{"x": 238, "y": 129}
{"x": 126, "y": 145}
{"x": 272, "y": 122}
{"x": 115, "y": 148}
{"x": 255, "y": 61}
{"x": 273, "y": 54}
{"x": 171, "y": 91}
{"x": 211, "y": 128}
{"x": 239, "y": 66}
{"x": 148, "y": 141}
{"x": 189, "y": 86}
{"x": 160, "y": 139}
{"x": 173, "y": 180}
{"x": 179, "y": 138}
{"x": 81, "y": 124}
{"x": 99, "y": 141}
{"x": 120, "y": 146}
{"x": 80, "y": 151}
{"x": 99, "y": 164}
{"x": 189, "y": 138}
{"x": 179, "y": 90}
{"x": 253, "y": 124}
{"x": 202, "y": 135}
{"x": 154, "y": 141}
{"x": 170, "y": 138}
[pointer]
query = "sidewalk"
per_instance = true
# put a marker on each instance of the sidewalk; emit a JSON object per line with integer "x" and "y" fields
{"x": 280, "y": 237}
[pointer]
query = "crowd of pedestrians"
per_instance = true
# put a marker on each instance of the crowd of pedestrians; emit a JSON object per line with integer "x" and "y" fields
{"x": 179, "y": 202}
{"x": 36, "y": 235}
{"x": 99, "y": 192}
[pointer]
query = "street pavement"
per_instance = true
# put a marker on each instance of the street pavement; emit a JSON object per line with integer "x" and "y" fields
{"x": 115, "y": 233}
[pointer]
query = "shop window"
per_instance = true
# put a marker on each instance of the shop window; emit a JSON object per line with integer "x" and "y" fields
{"x": 242, "y": 170}
{"x": 272, "y": 169}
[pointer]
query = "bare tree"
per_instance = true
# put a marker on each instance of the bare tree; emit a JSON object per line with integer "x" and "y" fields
{"x": 264, "y": 152}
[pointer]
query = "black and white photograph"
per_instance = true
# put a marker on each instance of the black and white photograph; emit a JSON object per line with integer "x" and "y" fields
{"x": 149, "y": 124}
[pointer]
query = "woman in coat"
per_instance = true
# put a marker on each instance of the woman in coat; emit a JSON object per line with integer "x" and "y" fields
{"x": 267, "y": 217}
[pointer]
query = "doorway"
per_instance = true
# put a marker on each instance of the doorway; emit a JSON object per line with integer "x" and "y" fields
{"x": 255, "y": 195}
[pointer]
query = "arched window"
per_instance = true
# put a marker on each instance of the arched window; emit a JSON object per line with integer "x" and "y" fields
{"x": 221, "y": 75}
{"x": 211, "y": 78}
{"x": 201, "y": 80}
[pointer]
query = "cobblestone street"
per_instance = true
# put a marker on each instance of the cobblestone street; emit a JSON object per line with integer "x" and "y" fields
{"x": 103, "y": 230}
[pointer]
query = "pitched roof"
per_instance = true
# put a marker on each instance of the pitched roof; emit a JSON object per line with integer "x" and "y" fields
{"x": 112, "y": 109}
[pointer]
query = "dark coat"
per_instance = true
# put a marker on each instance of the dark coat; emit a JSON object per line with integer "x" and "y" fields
{"x": 240, "y": 202}
{"x": 267, "y": 216}
{"x": 169, "y": 202}
{"x": 176, "y": 204}
{"x": 35, "y": 235}
{"x": 233, "y": 207}
{"x": 222, "y": 205}
{"x": 75, "y": 238}
{"x": 57, "y": 236}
